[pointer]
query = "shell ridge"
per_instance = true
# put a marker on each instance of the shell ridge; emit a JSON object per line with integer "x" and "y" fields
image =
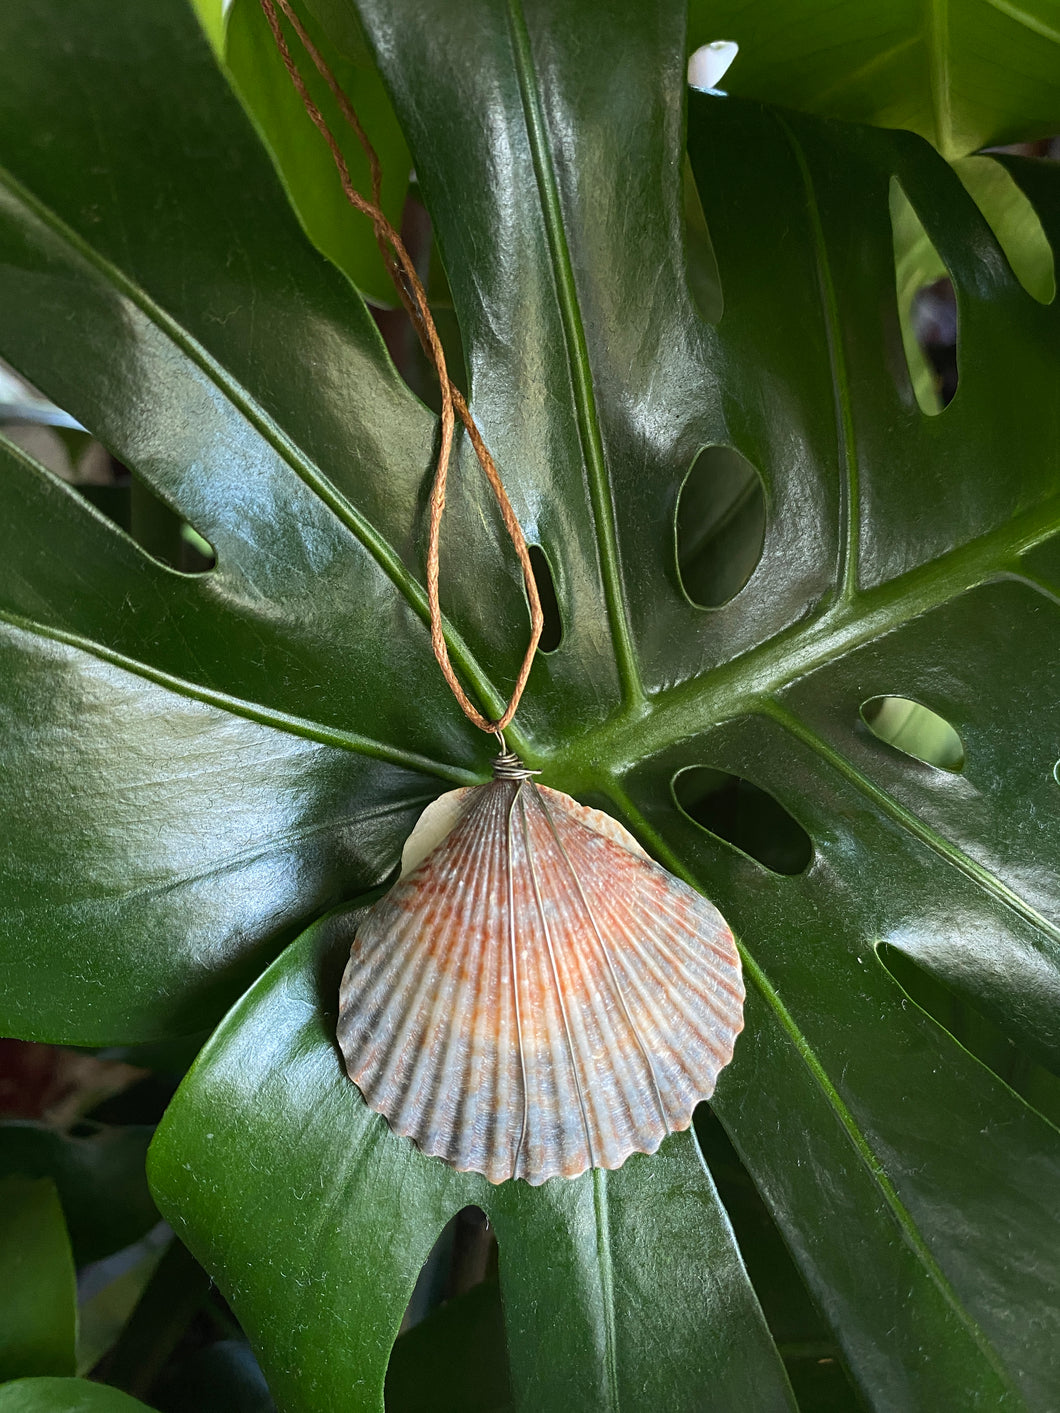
{"x": 704, "y": 909}
{"x": 596, "y": 1021}
{"x": 389, "y": 963}
{"x": 664, "y": 968}
{"x": 424, "y": 1107}
{"x": 513, "y": 953}
{"x": 618, "y": 1091}
{"x": 479, "y": 1084}
{"x": 569, "y": 1113}
{"x": 385, "y": 993}
{"x": 697, "y": 1018}
{"x": 409, "y": 979}
{"x": 669, "y": 943}
{"x": 607, "y": 957}
{"x": 650, "y": 869}
{"x": 425, "y": 1112}
{"x": 367, "y": 1010}
{"x": 626, "y": 894}
{"x": 555, "y": 976}
{"x": 671, "y": 938}
{"x": 625, "y": 1112}
{"x": 408, "y": 972}
{"x": 599, "y": 821}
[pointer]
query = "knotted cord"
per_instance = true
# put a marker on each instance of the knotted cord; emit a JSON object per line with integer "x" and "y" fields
{"x": 413, "y": 296}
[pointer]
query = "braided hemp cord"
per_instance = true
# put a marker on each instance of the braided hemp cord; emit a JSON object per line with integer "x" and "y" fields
{"x": 413, "y": 296}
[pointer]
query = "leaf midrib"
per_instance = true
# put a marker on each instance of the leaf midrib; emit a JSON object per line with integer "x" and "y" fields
{"x": 742, "y": 684}
{"x": 1022, "y": 18}
{"x": 578, "y": 362}
{"x": 602, "y": 1218}
{"x": 849, "y": 485}
{"x": 937, "y": 42}
{"x": 250, "y": 711}
{"x": 285, "y": 448}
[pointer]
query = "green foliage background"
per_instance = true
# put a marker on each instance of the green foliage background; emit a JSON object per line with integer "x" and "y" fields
{"x": 203, "y": 773}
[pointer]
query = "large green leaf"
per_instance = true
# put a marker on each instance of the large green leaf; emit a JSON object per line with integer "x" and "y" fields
{"x": 38, "y": 1320}
{"x": 65, "y": 1396}
{"x": 599, "y": 1275}
{"x": 205, "y": 763}
{"x": 242, "y": 37}
{"x": 963, "y": 75}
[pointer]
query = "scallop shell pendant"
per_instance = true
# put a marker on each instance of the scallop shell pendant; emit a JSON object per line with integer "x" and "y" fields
{"x": 535, "y": 996}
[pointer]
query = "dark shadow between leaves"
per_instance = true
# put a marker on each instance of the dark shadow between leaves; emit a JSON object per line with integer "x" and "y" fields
{"x": 927, "y": 308}
{"x": 720, "y": 526}
{"x": 741, "y": 814}
{"x": 552, "y": 632}
{"x": 451, "y": 1355}
{"x": 811, "y": 1354}
{"x": 701, "y": 264}
{"x": 133, "y": 506}
{"x": 976, "y": 1032}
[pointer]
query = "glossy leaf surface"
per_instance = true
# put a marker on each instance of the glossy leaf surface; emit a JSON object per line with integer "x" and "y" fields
{"x": 962, "y": 75}
{"x": 65, "y": 1396}
{"x": 245, "y": 46}
{"x": 39, "y": 1321}
{"x": 593, "y": 1280}
{"x": 204, "y": 764}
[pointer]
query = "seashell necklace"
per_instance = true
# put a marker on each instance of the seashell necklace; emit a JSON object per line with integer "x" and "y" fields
{"x": 535, "y": 996}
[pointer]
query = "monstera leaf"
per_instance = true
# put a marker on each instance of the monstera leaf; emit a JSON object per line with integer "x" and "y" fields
{"x": 198, "y": 768}
{"x": 964, "y": 76}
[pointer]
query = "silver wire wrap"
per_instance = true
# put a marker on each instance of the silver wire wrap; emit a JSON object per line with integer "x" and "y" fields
{"x": 508, "y": 766}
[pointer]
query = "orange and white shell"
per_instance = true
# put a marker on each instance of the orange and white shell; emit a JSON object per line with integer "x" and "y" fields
{"x": 535, "y": 996}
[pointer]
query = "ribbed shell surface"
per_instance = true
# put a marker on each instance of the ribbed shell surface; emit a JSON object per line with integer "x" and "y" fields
{"x": 537, "y": 997}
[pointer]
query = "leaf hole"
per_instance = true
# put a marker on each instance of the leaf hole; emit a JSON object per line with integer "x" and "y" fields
{"x": 720, "y": 526}
{"x": 915, "y": 730}
{"x": 59, "y": 443}
{"x": 745, "y": 816}
{"x": 812, "y": 1357}
{"x": 132, "y": 505}
{"x": 452, "y": 1339}
{"x": 464, "y": 1255}
{"x": 927, "y": 308}
{"x": 552, "y": 632}
{"x": 701, "y": 264}
{"x": 979, "y": 1035}
{"x": 1016, "y": 224}
{"x": 158, "y": 529}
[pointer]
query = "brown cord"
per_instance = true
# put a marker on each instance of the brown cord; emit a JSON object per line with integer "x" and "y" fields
{"x": 413, "y": 296}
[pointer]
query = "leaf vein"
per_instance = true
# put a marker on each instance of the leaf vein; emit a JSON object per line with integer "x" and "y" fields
{"x": 250, "y": 711}
{"x": 901, "y": 1214}
{"x": 578, "y": 362}
{"x": 240, "y": 398}
{"x": 850, "y": 498}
